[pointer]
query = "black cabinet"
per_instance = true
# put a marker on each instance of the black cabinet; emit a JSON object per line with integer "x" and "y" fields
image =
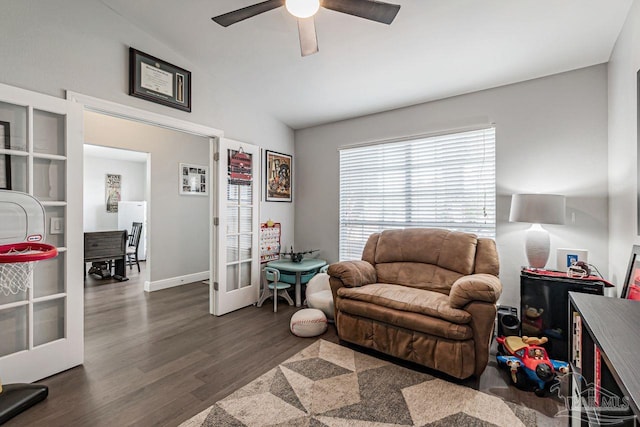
{"x": 544, "y": 302}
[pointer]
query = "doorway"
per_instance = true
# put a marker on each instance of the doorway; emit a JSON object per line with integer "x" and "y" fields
{"x": 116, "y": 195}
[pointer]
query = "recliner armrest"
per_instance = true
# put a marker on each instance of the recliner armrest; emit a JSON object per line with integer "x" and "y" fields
{"x": 353, "y": 273}
{"x": 475, "y": 287}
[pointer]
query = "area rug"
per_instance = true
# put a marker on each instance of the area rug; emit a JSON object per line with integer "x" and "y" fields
{"x": 330, "y": 385}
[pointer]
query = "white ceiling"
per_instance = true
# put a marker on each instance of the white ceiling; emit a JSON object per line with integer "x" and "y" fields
{"x": 434, "y": 49}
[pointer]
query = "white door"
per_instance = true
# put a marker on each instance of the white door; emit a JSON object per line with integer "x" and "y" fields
{"x": 235, "y": 281}
{"x": 41, "y": 330}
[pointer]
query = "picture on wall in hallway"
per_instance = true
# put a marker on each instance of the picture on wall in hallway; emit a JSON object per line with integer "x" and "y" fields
{"x": 278, "y": 177}
{"x": 193, "y": 179}
{"x": 113, "y": 183}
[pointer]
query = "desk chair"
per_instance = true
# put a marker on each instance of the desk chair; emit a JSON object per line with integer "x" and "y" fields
{"x": 273, "y": 287}
{"x": 133, "y": 244}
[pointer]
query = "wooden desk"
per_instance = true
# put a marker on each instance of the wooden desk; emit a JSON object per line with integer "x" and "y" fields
{"x": 286, "y": 265}
{"x": 107, "y": 246}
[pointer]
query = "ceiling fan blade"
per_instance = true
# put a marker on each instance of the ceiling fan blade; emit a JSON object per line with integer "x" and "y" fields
{"x": 372, "y": 10}
{"x": 308, "y": 38}
{"x": 247, "y": 12}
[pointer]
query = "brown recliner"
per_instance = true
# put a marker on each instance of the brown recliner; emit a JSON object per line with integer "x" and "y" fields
{"x": 424, "y": 295}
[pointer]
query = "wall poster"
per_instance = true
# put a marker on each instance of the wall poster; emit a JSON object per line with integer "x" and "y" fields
{"x": 278, "y": 177}
{"x": 113, "y": 189}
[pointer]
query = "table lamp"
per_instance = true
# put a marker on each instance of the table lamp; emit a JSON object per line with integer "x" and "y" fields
{"x": 537, "y": 209}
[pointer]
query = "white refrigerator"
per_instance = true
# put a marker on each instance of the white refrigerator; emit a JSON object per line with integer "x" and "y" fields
{"x": 130, "y": 212}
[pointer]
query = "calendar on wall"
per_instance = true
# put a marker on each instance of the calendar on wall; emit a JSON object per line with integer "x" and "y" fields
{"x": 270, "y": 241}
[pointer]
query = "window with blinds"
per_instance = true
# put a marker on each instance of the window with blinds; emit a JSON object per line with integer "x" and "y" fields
{"x": 445, "y": 181}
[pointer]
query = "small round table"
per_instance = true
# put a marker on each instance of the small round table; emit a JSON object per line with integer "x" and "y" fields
{"x": 287, "y": 265}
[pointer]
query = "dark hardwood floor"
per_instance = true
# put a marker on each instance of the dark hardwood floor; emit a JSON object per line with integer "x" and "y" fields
{"x": 157, "y": 359}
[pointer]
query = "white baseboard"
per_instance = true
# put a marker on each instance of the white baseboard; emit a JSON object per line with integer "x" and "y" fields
{"x": 172, "y": 282}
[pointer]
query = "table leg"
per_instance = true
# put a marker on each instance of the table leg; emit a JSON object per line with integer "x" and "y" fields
{"x": 298, "y": 289}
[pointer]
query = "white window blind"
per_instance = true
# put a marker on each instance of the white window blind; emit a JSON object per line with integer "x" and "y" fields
{"x": 446, "y": 181}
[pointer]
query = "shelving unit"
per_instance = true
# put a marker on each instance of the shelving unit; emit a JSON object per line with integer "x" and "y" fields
{"x": 604, "y": 350}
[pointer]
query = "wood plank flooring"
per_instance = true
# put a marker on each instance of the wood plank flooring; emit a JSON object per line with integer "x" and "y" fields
{"x": 158, "y": 359}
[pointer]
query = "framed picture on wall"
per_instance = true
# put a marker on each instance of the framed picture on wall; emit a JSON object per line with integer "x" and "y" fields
{"x": 194, "y": 179}
{"x": 631, "y": 288}
{"x": 278, "y": 177}
{"x": 158, "y": 81}
{"x": 5, "y": 160}
{"x": 113, "y": 189}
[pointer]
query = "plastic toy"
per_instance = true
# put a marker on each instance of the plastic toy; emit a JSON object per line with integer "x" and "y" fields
{"x": 529, "y": 363}
{"x": 532, "y": 323}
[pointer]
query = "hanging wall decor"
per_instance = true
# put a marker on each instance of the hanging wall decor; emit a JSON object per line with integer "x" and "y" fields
{"x": 113, "y": 189}
{"x": 278, "y": 177}
{"x": 158, "y": 81}
{"x": 194, "y": 179}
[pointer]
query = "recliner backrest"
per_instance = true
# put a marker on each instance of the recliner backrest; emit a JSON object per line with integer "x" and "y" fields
{"x": 429, "y": 258}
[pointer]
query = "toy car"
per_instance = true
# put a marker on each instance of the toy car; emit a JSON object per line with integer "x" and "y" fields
{"x": 529, "y": 363}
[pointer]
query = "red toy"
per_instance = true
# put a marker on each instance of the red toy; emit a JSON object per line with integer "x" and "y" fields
{"x": 529, "y": 362}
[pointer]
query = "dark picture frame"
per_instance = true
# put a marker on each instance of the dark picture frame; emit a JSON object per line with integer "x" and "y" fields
{"x": 158, "y": 81}
{"x": 633, "y": 272}
{"x": 278, "y": 177}
{"x": 5, "y": 161}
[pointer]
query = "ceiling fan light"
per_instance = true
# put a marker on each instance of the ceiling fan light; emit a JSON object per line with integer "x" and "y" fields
{"x": 302, "y": 8}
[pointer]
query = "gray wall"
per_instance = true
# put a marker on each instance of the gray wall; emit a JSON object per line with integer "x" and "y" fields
{"x": 133, "y": 188}
{"x": 178, "y": 225}
{"x": 551, "y": 138}
{"x": 82, "y": 46}
{"x": 623, "y": 146}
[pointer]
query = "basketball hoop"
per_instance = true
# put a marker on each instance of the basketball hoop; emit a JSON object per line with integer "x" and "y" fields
{"x": 17, "y": 261}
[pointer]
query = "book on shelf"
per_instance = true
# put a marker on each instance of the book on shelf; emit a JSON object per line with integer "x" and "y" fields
{"x": 576, "y": 348}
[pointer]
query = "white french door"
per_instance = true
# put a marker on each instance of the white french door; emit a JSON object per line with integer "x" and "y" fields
{"x": 41, "y": 330}
{"x": 235, "y": 279}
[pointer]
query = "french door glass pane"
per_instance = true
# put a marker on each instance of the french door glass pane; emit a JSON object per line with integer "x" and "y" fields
{"x": 246, "y": 219}
{"x": 48, "y": 276}
{"x": 232, "y": 249}
{"x": 48, "y": 133}
{"x": 13, "y": 330}
{"x": 13, "y": 119}
{"x": 245, "y": 247}
{"x": 18, "y": 172}
{"x": 245, "y": 274}
{"x": 48, "y": 319}
{"x": 232, "y": 219}
{"x": 232, "y": 277}
{"x": 7, "y": 299}
{"x": 49, "y": 179}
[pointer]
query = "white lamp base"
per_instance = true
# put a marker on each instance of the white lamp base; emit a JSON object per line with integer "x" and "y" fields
{"x": 537, "y": 246}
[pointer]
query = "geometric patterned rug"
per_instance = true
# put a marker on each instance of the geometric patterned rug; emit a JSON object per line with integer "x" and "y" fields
{"x": 330, "y": 385}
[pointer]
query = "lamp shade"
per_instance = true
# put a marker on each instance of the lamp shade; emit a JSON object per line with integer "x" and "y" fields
{"x": 538, "y": 208}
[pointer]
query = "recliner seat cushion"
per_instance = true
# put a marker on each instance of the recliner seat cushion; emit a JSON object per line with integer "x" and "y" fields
{"x": 407, "y": 320}
{"x": 403, "y": 298}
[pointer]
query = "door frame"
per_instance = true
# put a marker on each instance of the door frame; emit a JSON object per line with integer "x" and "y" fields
{"x": 126, "y": 112}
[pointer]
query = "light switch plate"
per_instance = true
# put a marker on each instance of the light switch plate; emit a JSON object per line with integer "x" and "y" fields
{"x": 57, "y": 225}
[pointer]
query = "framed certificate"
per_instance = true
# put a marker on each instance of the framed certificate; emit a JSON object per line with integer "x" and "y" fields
{"x": 158, "y": 81}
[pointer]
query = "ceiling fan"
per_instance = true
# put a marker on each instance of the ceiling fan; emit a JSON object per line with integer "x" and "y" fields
{"x": 305, "y": 10}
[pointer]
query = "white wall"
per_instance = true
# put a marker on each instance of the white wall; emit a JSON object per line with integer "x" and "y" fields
{"x": 623, "y": 146}
{"x": 551, "y": 138}
{"x": 82, "y": 46}
{"x": 178, "y": 226}
{"x": 133, "y": 187}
